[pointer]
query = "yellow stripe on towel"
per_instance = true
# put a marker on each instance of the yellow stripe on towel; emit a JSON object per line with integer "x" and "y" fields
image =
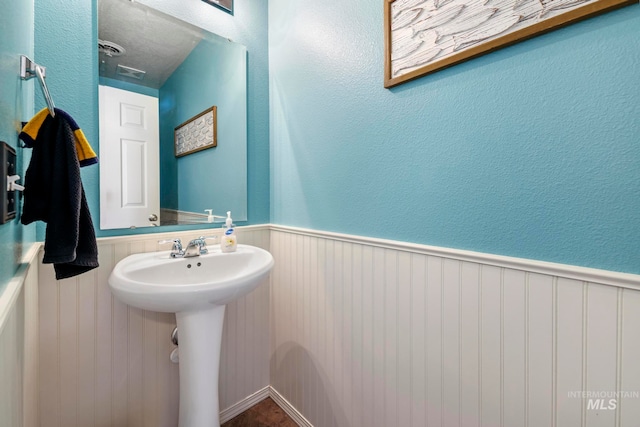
{"x": 86, "y": 155}
{"x": 32, "y": 128}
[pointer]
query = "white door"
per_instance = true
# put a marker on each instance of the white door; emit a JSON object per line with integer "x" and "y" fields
{"x": 129, "y": 159}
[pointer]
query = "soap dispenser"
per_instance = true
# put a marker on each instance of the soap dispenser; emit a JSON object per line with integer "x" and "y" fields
{"x": 229, "y": 241}
{"x": 210, "y": 216}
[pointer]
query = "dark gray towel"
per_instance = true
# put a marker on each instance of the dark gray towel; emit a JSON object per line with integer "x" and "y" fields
{"x": 54, "y": 194}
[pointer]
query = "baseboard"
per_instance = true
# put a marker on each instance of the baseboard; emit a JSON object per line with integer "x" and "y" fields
{"x": 257, "y": 397}
{"x": 287, "y": 407}
{"x": 246, "y": 403}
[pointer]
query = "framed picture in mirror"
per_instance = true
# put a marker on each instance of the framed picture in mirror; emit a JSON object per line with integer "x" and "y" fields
{"x": 196, "y": 134}
{"x": 226, "y": 5}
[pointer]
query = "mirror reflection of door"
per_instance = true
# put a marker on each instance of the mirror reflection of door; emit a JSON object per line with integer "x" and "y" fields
{"x": 129, "y": 156}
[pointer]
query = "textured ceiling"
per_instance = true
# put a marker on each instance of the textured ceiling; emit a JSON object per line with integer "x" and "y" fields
{"x": 154, "y": 42}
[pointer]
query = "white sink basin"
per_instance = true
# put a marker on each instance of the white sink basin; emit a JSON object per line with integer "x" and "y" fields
{"x": 155, "y": 281}
{"x": 196, "y": 289}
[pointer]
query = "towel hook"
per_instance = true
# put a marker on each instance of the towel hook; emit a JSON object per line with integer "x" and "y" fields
{"x": 29, "y": 69}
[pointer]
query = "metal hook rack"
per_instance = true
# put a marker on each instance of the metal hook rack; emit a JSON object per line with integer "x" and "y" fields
{"x": 28, "y": 70}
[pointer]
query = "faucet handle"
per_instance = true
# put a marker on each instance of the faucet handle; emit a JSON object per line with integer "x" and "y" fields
{"x": 202, "y": 244}
{"x": 175, "y": 241}
{"x": 176, "y": 249}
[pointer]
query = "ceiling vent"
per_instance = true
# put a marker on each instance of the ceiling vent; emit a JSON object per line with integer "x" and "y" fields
{"x": 134, "y": 73}
{"x": 110, "y": 48}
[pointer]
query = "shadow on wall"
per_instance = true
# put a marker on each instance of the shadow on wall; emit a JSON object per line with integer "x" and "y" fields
{"x": 293, "y": 369}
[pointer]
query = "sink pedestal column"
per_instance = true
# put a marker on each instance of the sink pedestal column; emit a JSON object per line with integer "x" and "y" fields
{"x": 200, "y": 337}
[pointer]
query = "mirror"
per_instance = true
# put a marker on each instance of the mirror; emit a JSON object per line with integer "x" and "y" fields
{"x": 152, "y": 64}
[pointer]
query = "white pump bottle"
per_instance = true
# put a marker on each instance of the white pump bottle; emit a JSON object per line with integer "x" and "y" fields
{"x": 229, "y": 241}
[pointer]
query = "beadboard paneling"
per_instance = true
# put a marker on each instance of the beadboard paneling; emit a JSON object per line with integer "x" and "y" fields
{"x": 380, "y": 333}
{"x": 103, "y": 363}
{"x": 11, "y": 359}
{"x": 18, "y": 346}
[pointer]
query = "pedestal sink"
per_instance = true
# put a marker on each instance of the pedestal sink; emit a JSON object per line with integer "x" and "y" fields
{"x": 196, "y": 289}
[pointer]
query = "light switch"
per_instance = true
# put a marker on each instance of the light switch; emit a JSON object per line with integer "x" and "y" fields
{"x": 9, "y": 198}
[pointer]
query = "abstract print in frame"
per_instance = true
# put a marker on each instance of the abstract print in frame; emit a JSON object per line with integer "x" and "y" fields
{"x": 423, "y": 36}
{"x": 197, "y": 134}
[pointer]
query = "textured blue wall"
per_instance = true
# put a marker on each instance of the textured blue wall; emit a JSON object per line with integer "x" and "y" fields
{"x": 16, "y": 105}
{"x": 65, "y": 42}
{"x": 66, "y": 38}
{"x": 532, "y": 151}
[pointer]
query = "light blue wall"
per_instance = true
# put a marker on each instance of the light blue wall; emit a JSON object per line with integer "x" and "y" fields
{"x": 221, "y": 180}
{"x": 16, "y": 105}
{"x": 532, "y": 151}
{"x": 66, "y": 38}
{"x": 65, "y": 42}
{"x": 168, "y": 161}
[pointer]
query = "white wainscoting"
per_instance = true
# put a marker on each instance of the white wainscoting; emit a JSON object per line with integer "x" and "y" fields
{"x": 19, "y": 346}
{"x": 103, "y": 363}
{"x": 366, "y": 332}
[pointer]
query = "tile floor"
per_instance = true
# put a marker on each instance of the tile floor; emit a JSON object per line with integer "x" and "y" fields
{"x": 263, "y": 414}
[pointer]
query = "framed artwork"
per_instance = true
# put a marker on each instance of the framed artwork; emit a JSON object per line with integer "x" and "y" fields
{"x": 424, "y": 36}
{"x": 196, "y": 134}
{"x": 226, "y": 5}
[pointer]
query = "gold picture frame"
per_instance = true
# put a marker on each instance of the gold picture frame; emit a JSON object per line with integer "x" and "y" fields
{"x": 424, "y": 36}
{"x": 196, "y": 134}
{"x": 226, "y": 5}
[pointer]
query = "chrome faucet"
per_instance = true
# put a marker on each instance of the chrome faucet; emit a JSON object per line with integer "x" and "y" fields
{"x": 195, "y": 247}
